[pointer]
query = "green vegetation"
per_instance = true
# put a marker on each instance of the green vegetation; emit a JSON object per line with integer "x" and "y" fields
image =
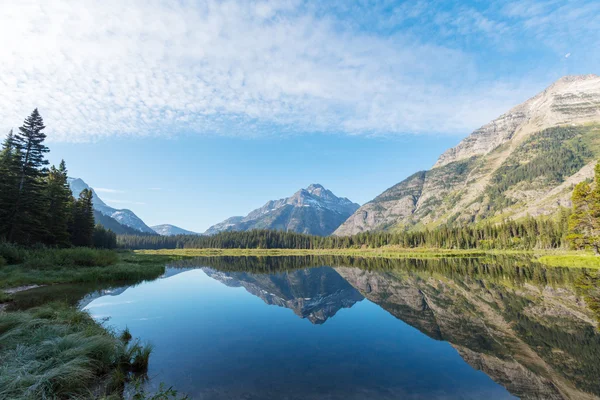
{"x": 76, "y": 265}
{"x": 546, "y": 158}
{"x": 571, "y": 260}
{"x": 55, "y": 351}
{"x": 584, "y": 222}
{"x": 526, "y": 234}
{"x": 36, "y": 203}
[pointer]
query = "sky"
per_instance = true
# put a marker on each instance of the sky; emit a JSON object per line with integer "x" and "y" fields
{"x": 189, "y": 112}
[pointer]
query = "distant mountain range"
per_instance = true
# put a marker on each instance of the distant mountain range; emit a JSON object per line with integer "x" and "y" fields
{"x": 117, "y": 220}
{"x": 525, "y": 162}
{"x": 314, "y": 210}
{"x": 171, "y": 230}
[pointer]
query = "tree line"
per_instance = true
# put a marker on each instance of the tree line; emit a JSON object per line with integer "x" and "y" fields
{"x": 577, "y": 228}
{"x": 528, "y": 233}
{"x": 36, "y": 202}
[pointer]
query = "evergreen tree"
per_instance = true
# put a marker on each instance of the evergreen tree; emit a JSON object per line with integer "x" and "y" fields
{"x": 10, "y": 166}
{"x": 60, "y": 202}
{"x": 584, "y": 221}
{"x": 104, "y": 238}
{"x": 82, "y": 230}
{"x": 27, "y": 216}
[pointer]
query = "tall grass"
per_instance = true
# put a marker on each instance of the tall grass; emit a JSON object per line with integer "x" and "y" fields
{"x": 41, "y": 258}
{"x": 76, "y": 265}
{"x": 55, "y": 351}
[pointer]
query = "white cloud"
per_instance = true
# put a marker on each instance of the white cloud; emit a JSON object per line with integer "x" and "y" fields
{"x": 567, "y": 55}
{"x": 117, "y": 201}
{"x": 98, "y": 69}
{"x": 106, "y": 190}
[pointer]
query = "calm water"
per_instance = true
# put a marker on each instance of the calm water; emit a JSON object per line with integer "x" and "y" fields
{"x": 306, "y": 328}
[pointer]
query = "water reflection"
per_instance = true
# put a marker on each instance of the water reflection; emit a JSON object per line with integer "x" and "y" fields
{"x": 499, "y": 327}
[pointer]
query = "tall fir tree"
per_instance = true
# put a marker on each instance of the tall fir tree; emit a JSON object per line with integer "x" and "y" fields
{"x": 27, "y": 217}
{"x": 60, "y": 203}
{"x": 82, "y": 230}
{"x": 584, "y": 221}
{"x": 10, "y": 167}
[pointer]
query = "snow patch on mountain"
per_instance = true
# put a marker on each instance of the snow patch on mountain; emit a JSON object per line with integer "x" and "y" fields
{"x": 124, "y": 216}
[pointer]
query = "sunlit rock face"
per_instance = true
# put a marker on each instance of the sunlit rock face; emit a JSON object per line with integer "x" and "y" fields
{"x": 316, "y": 294}
{"x": 314, "y": 210}
{"x": 465, "y": 183}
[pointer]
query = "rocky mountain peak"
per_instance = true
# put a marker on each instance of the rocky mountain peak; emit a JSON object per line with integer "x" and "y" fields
{"x": 571, "y": 99}
{"x": 314, "y": 210}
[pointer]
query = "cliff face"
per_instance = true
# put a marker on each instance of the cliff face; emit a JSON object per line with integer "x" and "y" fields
{"x": 524, "y": 338}
{"x": 314, "y": 210}
{"x": 524, "y": 162}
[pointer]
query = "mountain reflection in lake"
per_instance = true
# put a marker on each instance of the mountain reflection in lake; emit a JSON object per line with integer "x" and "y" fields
{"x": 338, "y": 328}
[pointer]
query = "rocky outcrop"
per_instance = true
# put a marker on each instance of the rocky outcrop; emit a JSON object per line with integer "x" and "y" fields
{"x": 487, "y": 175}
{"x": 314, "y": 210}
{"x": 396, "y": 203}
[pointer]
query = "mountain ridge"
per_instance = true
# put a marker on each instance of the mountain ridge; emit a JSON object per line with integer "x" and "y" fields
{"x": 312, "y": 210}
{"x": 171, "y": 230}
{"x": 124, "y": 217}
{"x": 516, "y": 165}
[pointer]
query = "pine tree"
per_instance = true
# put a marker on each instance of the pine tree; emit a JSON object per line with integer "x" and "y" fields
{"x": 584, "y": 221}
{"x": 10, "y": 165}
{"x": 60, "y": 202}
{"x": 82, "y": 230}
{"x": 27, "y": 217}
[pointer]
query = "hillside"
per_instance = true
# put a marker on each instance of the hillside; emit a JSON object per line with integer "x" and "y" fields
{"x": 171, "y": 230}
{"x": 314, "y": 210}
{"x": 525, "y": 162}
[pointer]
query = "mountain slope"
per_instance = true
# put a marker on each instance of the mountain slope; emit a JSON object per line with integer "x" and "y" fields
{"x": 524, "y": 162}
{"x": 171, "y": 230}
{"x": 124, "y": 217}
{"x": 314, "y": 210}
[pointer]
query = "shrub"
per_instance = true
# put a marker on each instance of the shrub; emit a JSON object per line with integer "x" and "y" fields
{"x": 13, "y": 254}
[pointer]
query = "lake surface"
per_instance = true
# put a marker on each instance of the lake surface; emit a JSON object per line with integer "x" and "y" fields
{"x": 335, "y": 328}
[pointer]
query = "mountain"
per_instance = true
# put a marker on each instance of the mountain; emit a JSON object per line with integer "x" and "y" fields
{"x": 123, "y": 217}
{"x": 525, "y": 162}
{"x": 114, "y": 225}
{"x": 171, "y": 230}
{"x": 314, "y": 210}
{"x": 316, "y": 294}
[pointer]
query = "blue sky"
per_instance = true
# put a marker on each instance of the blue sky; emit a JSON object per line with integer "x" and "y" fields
{"x": 188, "y": 112}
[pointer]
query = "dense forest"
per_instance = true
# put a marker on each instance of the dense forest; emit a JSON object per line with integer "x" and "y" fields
{"x": 36, "y": 203}
{"x": 528, "y": 233}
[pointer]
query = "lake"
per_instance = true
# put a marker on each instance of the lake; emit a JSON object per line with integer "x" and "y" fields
{"x": 340, "y": 328}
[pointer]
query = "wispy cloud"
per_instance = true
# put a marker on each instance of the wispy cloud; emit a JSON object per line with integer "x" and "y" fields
{"x": 130, "y": 202}
{"x": 246, "y": 68}
{"x": 107, "y": 190}
{"x": 155, "y": 189}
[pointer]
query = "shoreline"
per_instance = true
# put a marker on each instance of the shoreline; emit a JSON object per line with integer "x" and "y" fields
{"x": 549, "y": 258}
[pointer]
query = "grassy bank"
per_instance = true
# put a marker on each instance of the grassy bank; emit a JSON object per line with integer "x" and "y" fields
{"x": 384, "y": 252}
{"x": 56, "y": 351}
{"x": 551, "y": 258}
{"x": 571, "y": 259}
{"x": 77, "y": 265}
